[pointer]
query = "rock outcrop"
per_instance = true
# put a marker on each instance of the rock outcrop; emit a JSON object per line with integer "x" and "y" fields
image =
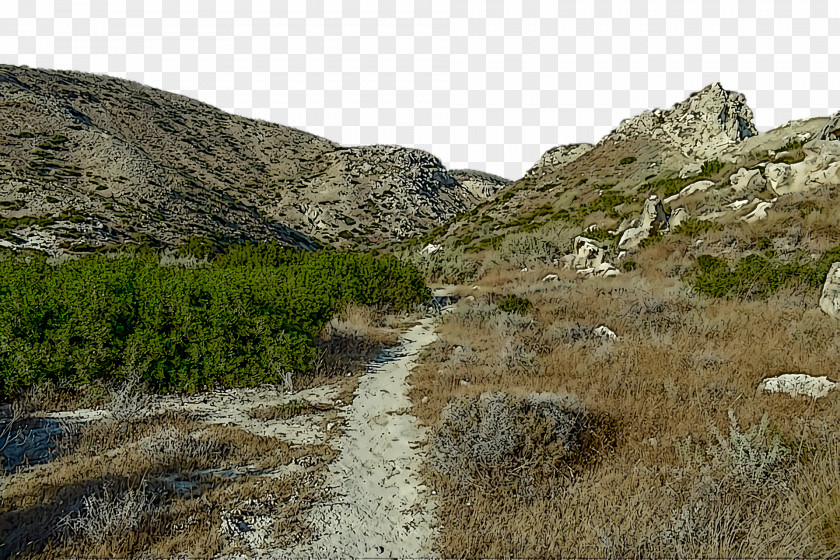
{"x": 557, "y": 157}
{"x": 589, "y": 259}
{"x": 699, "y": 127}
{"x": 654, "y": 218}
{"x": 830, "y": 298}
{"x": 481, "y": 185}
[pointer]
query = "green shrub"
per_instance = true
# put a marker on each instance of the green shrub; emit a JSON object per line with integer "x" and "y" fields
{"x": 627, "y": 160}
{"x": 247, "y": 319}
{"x": 711, "y": 167}
{"x": 628, "y": 266}
{"x": 515, "y": 304}
{"x": 693, "y": 226}
{"x": 758, "y": 276}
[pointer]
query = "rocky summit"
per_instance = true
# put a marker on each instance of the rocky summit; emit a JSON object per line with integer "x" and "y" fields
{"x": 88, "y": 161}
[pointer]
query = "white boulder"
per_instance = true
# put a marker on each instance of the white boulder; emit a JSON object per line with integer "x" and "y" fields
{"x": 697, "y": 186}
{"x": 605, "y": 333}
{"x": 690, "y": 169}
{"x": 798, "y": 384}
{"x": 678, "y": 216}
{"x": 587, "y": 254}
{"x": 747, "y": 179}
{"x": 653, "y": 219}
{"x": 830, "y": 298}
{"x": 758, "y": 213}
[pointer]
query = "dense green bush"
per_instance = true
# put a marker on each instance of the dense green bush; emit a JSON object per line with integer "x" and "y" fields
{"x": 246, "y": 319}
{"x": 515, "y": 304}
{"x": 759, "y": 276}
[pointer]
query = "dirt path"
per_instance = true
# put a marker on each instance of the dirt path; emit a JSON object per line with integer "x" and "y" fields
{"x": 380, "y": 509}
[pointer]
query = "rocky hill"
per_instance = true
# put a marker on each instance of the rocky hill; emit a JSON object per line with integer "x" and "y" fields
{"x": 702, "y": 160}
{"x": 88, "y": 160}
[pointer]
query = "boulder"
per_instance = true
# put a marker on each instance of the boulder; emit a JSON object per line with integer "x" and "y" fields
{"x": 654, "y": 218}
{"x": 690, "y": 169}
{"x": 430, "y": 249}
{"x": 550, "y": 278}
{"x": 747, "y": 180}
{"x": 698, "y": 186}
{"x": 758, "y": 213}
{"x": 678, "y": 216}
{"x": 605, "y": 333}
{"x": 587, "y": 253}
{"x": 830, "y": 298}
{"x": 798, "y": 384}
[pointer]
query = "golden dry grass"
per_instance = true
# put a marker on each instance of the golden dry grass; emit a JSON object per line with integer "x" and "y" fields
{"x": 680, "y": 363}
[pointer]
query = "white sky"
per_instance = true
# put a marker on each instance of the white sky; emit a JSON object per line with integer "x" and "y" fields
{"x": 484, "y": 85}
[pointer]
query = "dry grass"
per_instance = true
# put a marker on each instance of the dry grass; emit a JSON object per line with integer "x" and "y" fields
{"x": 664, "y": 387}
{"x": 156, "y": 487}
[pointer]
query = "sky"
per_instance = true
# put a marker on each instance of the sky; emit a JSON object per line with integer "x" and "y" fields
{"x": 482, "y": 85}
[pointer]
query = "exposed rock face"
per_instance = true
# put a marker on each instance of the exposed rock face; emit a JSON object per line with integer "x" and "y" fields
{"x": 798, "y": 384}
{"x": 830, "y": 298}
{"x": 557, "y": 157}
{"x": 831, "y": 130}
{"x": 699, "y": 127}
{"x": 481, "y": 185}
{"x": 678, "y": 216}
{"x": 747, "y": 180}
{"x": 699, "y": 186}
{"x": 759, "y": 212}
{"x": 654, "y": 218}
{"x": 821, "y": 167}
{"x": 587, "y": 253}
{"x": 141, "y": 163}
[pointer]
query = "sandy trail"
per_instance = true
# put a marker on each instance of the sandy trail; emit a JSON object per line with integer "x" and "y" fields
{"x": 381, "y": 508}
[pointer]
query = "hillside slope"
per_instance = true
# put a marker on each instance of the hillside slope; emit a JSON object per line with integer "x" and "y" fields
{"x": 708, "y": 136}
{"x": 87, "y": 160}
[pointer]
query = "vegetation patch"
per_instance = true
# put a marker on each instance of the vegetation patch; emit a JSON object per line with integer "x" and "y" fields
{"x": 515, "y": 304}
{"x": 249, "y": 318}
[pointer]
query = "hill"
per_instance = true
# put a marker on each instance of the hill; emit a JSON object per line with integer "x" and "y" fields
{"x": 89, "y": 160}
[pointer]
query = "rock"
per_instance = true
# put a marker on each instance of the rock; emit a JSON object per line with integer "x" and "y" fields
{"x": 690, "y": 170}
{"x": 481, "y": 185}
{"x": 747, "y": 180}
{"x": 431, "y": 249}
{"x": 587, "y": 254}
{"x": 699, "y": 127}
{"x": 798, "y": 384}
{"x": 550, "y": 278}
{"x": 830, "y": 298}
{"x": 605, "y": 269}
{"x": 777, "y": 174}
{"x": 831, "y": 130}
{"x": 758, "y": 213}
{"x": 654, "y": 218}
{"x": 605, "y": 333}
{"x": 698, "y": 186}
{"x": 738, "y": 204}
{"x": 557, "y": 157}
{"x": 678, "y": 216}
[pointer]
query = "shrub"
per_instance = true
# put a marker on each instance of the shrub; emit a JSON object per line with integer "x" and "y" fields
{"x": 711, "y": 167}
{"x": 628, "y": 266}
{"x": 757, "y": 276}
{"x": 627, "y": 160}
{"x": 248, "y": 318}
{"x": 499, "y": 431}
{"x": 515, "y": 304}
{"x": 748, "y": 458}
{"x": 693, "y": 226}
